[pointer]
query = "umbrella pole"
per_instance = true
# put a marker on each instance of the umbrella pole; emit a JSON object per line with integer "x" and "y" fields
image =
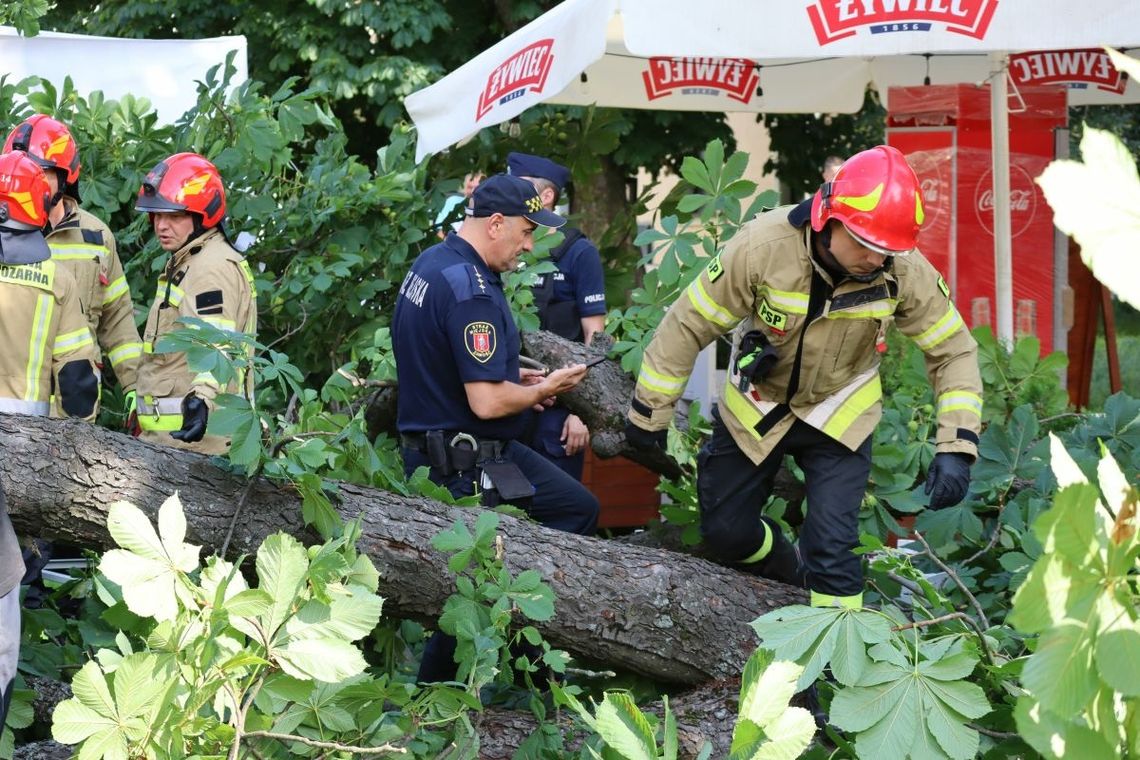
{"x": 1003, "y": 246}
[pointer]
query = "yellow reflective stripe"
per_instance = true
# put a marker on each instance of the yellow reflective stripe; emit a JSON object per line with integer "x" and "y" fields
{"x": 789, "y": 300}
{"x": 853, "y": 407}
{"x": 764, "y": 549}
{"x": 37, "y": 345}
{"x": 707, "y": 307}
{"x": 160, "y": 423}
{"x": 950, "y": 323}
{"x": 741, "y": 408}
{"x": 76, "y": 251}
{"x": 963, "y": 401}
{"x": 655, "y": 381}
{"x": 71, "y": 341}
{"x": 873, "y": 310}
{"x": 124, "y": 352}
{"x": 116, "y": 289}
{"x": 220, "y": 323}
{"x": 866, "y": 202}
{"x": 853, "y": 602}
{"x": 176, "y": 293}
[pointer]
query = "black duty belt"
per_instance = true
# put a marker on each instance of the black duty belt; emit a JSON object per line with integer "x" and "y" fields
{"x": 451, "y": 450}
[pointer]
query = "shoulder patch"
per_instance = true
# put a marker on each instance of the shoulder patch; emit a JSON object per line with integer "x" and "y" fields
{"x": 467, "y": 282}
{"x": 777, "y": 320}
{"x": 715, "y": 269}
{"x": 943, "y": 286}
{"x": 93, "y": 237}
{"x": 479, "y": 338}
{"x": 209, "y": 302}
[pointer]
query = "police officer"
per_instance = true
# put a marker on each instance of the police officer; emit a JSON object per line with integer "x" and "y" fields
{"x": 204, "y": 277}
{"x": 462, "y": 393}
{"x": 571, "y": 302}
{"x": 83, "y": 245}
{"x": 42, "y": 327}
{"x": 809, "y": 291}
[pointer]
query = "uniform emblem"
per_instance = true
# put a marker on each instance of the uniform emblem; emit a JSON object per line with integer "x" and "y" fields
{"x": 777, "y": 320}
{"x": 943, "y": 287}
{"x": 479, "y": 337}
{"x": 715, "y": 269}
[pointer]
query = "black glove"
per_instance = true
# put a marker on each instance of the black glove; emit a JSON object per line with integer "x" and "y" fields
{"x": 194, "y": 416}
{"x": 948, "y": 479}
{"x": 755, "y": 358}
{"x": 646, "y": 440}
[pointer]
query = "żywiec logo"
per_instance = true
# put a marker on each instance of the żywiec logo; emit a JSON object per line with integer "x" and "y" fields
{"x": 735, "y": 77}
{"x": 835, "y": 19}
{"x": 1075, "y": 68}
{"x": 525, "y": 70}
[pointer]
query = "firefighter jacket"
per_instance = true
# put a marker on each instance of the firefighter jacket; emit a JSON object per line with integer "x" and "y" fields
{"x": 211, "y": 281}
{"x": 83, "y": 245}
{"x": 825, "y": 336}
{"x": 46, "y": 342}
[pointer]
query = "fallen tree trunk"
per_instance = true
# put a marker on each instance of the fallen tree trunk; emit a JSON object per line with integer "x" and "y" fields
{"x": 669, "y": 616}
{"x": 706, "y": 714}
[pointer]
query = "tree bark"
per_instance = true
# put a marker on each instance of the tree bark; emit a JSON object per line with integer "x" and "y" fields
{"x": 668, "y": 616}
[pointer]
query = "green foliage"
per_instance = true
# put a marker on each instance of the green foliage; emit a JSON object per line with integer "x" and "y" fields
{"x": 1080, "y": 598}
{"x": 216, "y": 661}
{"x": 24, "y": 15}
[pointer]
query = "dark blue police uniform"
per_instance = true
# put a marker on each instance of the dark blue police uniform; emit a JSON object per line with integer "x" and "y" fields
{"x": 576, "y": 289}
{"x": 452, "y": 326}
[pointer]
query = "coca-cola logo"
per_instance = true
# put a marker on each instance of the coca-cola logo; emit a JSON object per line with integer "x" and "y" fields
{"x": 934, "y": 184}
{"x": 1022, "y": 201}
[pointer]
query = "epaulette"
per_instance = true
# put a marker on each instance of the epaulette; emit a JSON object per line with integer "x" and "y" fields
{"x": 93, "y": 237}
{"x": 467, "y": 282}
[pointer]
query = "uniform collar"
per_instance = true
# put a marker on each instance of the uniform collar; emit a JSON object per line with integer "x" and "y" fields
{"x": 70, "y": 219}
{"x": 183, "y": 254}
{"x": 468, "y": 252}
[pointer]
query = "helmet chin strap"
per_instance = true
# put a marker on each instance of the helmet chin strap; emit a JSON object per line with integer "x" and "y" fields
{"x": 831, "y": 263}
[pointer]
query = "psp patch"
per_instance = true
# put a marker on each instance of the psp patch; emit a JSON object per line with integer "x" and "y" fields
{"x": 479, "y": 337}
{"x": 943, "y": 287}
{"x": 715, "y": 269}
{"x": 777, "y": 320}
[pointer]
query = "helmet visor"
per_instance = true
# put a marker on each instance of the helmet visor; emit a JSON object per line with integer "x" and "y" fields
{"x": 873, "y": 246}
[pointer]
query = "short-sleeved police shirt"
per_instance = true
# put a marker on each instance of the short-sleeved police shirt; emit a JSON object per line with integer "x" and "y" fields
{"x": 580, "y": 278}
{"x": 452, "y": 326}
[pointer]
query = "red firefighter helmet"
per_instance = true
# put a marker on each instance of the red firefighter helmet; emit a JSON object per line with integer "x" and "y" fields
{"x": 184, "y": 182}
{"x": 49, "y": 143}
{"x": 876, "y": 195}
{"x": 25, "y": 195}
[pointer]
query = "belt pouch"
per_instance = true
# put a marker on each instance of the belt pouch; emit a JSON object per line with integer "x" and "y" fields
{"x": 437, "y": 453}
{"x": 462, "y": 457}
{"x": 508, "y": 480}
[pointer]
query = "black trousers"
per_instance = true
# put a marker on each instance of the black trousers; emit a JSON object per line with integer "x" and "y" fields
{"x": 732, "y": 491}
{"x": 559, "y": 502}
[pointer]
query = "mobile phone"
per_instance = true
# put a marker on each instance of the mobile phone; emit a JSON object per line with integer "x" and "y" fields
{"x": 592, "y": 362}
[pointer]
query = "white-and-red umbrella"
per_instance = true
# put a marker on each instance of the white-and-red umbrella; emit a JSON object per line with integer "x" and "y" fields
{"x": 787, "y": 57}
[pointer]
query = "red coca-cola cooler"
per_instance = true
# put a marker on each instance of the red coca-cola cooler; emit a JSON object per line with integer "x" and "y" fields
{"x": 944, "y": 130}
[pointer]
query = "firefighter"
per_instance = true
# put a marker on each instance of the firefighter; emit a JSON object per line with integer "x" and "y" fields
{"x": 84, "y": 246}
{"x": 42, "y": 327}
{"x": 571, "y": 302}
{"x": 204, "y": 277}
{"x": 809, "y": 291}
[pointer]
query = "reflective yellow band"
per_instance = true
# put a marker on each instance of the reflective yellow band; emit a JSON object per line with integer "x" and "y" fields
{"x": 37, "y": 345}
{"x": 76, "y": 251}
{"x": 176, "y": 293}
{"x": 866, "y": 202}
{"x": 765, "y": 547}
{"x": 789, "y": 300}
{"x": 71, "y": 341}
{"x": 950, "y": 323}
{"x": 220, "y": 323}
{"x": 161, "y": 423}
{"x": 853, "y": 602}
{"x": 655, "y": 381}
{"x": 124, "y": 352}
{"x": 115, "y": 290}
{"x": 853, "y": 407}
{"x": 707, "y": 307}
{"x": 741, "y": 408}
{"x": 964, "y": 401}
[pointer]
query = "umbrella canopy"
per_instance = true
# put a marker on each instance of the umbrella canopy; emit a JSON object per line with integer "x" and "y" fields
{"x": 802, "y": 57}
